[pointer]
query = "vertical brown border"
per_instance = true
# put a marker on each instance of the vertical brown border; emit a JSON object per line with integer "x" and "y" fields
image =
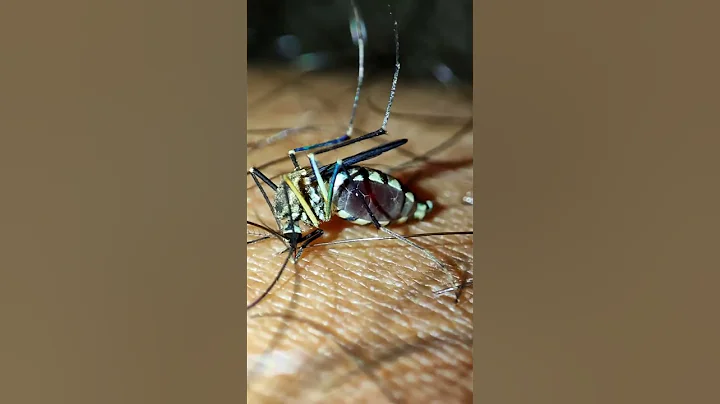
{"x": 242, "y": 113}
{"x": 122, "y": 209}
{"x": 597, "y": 202}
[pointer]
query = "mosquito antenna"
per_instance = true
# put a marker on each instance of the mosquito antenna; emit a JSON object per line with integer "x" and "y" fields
{"x": 359, "y": 35}
{"x": 397, "y": 71}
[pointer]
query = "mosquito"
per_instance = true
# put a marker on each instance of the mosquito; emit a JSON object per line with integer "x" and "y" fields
{"x": 312, "y": 195}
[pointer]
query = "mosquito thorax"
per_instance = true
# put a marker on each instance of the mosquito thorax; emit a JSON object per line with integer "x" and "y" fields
{"x": 309, "y": 191}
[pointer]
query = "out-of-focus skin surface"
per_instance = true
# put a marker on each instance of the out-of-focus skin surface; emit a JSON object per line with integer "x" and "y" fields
{"x": 358, "y": 323}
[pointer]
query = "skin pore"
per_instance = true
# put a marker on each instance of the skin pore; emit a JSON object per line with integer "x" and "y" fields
{"x": 359, "y": 322}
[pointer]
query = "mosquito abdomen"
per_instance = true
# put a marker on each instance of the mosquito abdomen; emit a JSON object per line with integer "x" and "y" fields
{"x": 389, "y": 201}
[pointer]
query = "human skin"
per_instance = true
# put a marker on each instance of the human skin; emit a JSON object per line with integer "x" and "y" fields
{"x": 360, "y": 322}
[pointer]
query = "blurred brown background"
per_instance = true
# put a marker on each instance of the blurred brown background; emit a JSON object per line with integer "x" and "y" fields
{"x": 121, "y": 217}
{"x": 597, "y": 195}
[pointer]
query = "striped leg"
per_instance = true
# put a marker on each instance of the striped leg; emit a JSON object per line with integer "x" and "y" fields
{"x": 357, "y": 30}
{"x": 333, "y": 142}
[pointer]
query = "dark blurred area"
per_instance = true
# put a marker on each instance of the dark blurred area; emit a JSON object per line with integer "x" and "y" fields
{"x": 435, "y": 36}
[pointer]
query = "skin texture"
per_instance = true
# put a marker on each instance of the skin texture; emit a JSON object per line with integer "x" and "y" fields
{"x": 360, "y": 322}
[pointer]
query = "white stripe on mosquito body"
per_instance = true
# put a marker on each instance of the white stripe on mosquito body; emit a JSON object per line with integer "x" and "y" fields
{"x": 386, "y": 196}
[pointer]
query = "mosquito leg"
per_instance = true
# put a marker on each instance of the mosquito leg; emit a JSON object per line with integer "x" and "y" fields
{"x": 359, "y": 34}
{"x": 333, "y": 144}
{"x": 258, "y": 174}
{"x": 366, "y": 136}
{"x": 320, "y": 181}
{"x": 255, "y": 175}
{"x": 357, "y": 31}
{"x": 292, "y": 239}
{"x": 269, "y": 288}
{"x": 323, "y": 144}
{"x": 423, "y": 250}
{"x": 395, "y": 235}
{"x": 395, "y": 74}
{"x": 465, "y": 284}
{"x": 338, "y": 164}
{"x": 291, "y": 153}
{"x": 358, "y": 28}
{"x": 362, "y": 156}
{"x": 317, "y": 233}
{"x": 459, "y": 292}
{"x": 336, "y": 145}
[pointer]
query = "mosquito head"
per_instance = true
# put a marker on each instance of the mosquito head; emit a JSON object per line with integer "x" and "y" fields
{"x": 293, "y": 238}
